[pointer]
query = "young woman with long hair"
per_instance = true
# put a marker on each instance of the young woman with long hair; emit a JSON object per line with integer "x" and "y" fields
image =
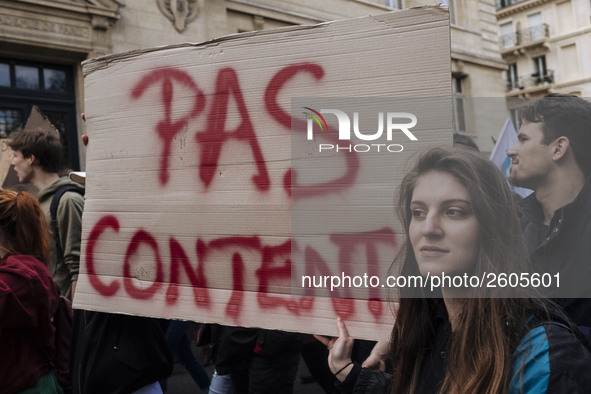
{"x": 28, "y": 298}
{"x": 459, "y": 218}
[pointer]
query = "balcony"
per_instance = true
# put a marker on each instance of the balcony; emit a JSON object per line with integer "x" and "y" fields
{"x": 530, "y": 83}
{"x": 525, "y": 38}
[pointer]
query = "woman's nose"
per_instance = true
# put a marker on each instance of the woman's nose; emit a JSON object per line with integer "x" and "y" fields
{"x": 432, "y": 225}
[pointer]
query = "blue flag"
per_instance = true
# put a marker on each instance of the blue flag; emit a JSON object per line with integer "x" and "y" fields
{"x": 506, "y": 140}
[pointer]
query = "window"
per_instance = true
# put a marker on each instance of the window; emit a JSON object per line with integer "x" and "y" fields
{"x": 395, "y": 4}
{"x": 48, "y": 86}
{"x": 31, "y": 76}
{"x": 507, "y": 35}
{"x": 54, "y": 80}
{"x": 512, "y": 77}
{"x": 4, "y": 74}
{"x": 536, "y": 27}
{"x": 516, "y": 117}
{"x": 10, "y": 120}
{"x": 26, "y": 77}
{"x": 540, "y": 72}
{"x": 453, "y": 13}
{"x": 458, "y": 104}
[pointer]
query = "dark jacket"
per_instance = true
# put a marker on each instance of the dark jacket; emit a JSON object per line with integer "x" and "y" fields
{"x": 234, "y": 345}
{"x": 563, "y": 247}
{"x": 28, "y": 301}
{"x": 549, "y": 359}
{"x": 114, "y": 353}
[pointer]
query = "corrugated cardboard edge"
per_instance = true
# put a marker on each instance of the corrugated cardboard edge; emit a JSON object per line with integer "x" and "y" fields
{"x": 410, "y": 16}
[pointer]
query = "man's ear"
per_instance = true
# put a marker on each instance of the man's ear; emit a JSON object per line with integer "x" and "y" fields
{"x": 560, "y": 146}
{"x": 31, "y": 159}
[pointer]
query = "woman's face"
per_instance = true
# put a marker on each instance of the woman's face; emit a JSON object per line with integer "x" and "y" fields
{"x": 443, "y": 230}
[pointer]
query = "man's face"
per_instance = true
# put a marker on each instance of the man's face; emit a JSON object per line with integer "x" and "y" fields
{"x": 531, "y": 159}
{"x": 23, "y": 166}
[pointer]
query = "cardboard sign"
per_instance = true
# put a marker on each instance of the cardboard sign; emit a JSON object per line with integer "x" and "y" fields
{"x": 191, "y": 190}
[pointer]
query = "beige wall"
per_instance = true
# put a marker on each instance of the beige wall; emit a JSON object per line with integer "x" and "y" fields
{"x": 143, "y": 25}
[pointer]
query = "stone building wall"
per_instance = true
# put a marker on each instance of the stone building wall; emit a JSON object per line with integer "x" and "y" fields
{"x": 66, "y": 32}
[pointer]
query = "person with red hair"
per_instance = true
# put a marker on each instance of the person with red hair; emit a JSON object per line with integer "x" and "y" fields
{"x": 28, "y": 298}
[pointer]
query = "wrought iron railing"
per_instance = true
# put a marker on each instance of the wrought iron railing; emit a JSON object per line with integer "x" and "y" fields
{"x": 525, "y": 36}
{"x": 532, "y": 80}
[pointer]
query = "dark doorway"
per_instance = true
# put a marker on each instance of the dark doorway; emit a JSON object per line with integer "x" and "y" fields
{"x": 48, "y": 86}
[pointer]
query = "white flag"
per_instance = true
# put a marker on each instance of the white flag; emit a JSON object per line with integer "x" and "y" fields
{"x": 506, "y": 140}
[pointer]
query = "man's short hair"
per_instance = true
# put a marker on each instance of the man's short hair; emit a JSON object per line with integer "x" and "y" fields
{"x": 568, "y": 116}
{"x": 46, "y": 147}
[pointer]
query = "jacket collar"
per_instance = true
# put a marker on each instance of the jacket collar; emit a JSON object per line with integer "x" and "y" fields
{"x": 532, "y": 209}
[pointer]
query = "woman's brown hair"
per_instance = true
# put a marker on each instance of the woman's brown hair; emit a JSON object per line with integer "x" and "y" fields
{"x": 490, "y": 327}
{"x": 23, "y": 225}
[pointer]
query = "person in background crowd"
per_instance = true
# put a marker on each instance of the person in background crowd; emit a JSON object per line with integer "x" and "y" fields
{"x": 459, "y": 217}
{"x": 180, "y": 346}
{"x": 114, "y": 353}
{"x": 37, "y": 160}
{"x": 552, "y": 157}
{"x": 255, "y": 361}
{"x": 28, "y": 298}
{"x": 465, "y": 141}
{"x": 315, "y": 354}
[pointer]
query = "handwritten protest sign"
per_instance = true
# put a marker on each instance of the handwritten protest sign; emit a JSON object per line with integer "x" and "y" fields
{"x": 203, "y": 189}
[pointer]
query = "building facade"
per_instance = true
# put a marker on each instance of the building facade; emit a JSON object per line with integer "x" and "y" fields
{"x": 479, "y": 107}
{"x": 476, "y": 65}
{"x": 547, "y": 46}
{"x": 44, "y": 42}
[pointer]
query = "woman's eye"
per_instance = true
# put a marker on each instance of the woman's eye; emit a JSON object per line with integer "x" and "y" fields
{"x": 454, "y": 212}
{"x": 417, "y": 213}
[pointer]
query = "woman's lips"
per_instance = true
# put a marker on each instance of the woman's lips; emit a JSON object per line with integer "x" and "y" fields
{"x": 432, "y": 251}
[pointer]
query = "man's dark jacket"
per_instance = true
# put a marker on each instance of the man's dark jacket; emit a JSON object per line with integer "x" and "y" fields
{"x": 563, "y": 247}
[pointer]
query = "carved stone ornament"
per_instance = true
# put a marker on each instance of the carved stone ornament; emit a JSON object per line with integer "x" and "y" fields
{"x": 180, "y": 12}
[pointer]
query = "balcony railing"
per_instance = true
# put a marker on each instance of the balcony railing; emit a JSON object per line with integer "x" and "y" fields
{"x": 506, "y": 3}
{"x": 531, "y": 81}
{"x": 525, "y": 36}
